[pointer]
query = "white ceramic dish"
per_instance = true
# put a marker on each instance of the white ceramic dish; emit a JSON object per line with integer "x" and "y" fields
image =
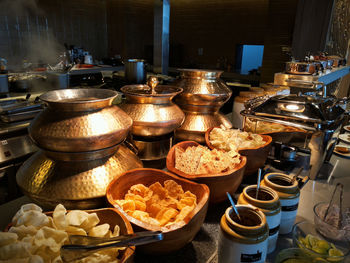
{"x": 345, "y": 137}
{"x": 347, "y": 155}
{"x": 347, "y": 128}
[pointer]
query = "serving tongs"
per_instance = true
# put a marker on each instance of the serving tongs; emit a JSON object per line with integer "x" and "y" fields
{"x": 83, "y": 246}
{"x": 339, "y": 223}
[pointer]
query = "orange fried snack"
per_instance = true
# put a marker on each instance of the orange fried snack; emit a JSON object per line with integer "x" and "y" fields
{"x": 158, "y": 205}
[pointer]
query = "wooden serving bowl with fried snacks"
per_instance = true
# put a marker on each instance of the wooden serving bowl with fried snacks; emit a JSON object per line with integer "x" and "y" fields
{"x": 256, "y": 157}
{"x": 219, "y": 183}
{"x": 112, "y": 217}
{"x": 178, "y": 234}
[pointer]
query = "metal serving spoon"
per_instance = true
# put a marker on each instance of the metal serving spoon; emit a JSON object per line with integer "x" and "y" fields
{"x": 83, "y": 246}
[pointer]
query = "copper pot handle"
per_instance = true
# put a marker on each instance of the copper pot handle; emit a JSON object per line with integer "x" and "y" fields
{"x": 131, "y": 146}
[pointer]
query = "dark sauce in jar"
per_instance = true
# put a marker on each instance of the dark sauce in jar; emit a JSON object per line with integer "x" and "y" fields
{"x": 248, "y": 218}
{"x": 280, "y": 181}
{"x": 262, "y": 195}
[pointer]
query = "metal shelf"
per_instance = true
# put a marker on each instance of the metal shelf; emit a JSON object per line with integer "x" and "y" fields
{"x": 326, "y": 78}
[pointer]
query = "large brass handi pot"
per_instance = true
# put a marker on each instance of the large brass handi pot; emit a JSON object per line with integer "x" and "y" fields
{"x": 77, "y": 184}
{"x": 152, "y": 110}
{"x": 202, "y": 87}
{"x": 203, "y": 95}
{"x": 79, "y": 120}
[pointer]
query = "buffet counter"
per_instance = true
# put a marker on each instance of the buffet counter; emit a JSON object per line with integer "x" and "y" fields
{"x": 204, "y": 246}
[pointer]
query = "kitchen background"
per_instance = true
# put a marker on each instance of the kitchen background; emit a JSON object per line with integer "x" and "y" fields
{"x": 203, "y": 33}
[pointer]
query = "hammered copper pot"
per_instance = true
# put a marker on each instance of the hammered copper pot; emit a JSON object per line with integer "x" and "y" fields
{"x": 77, "y": 183}
{"x": 79, "y": 120}
{"x": 152, "y": 111}
{"x": 204, "y": 93}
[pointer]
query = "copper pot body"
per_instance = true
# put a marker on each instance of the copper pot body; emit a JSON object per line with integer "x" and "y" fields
{"x": 77, "y": 184}
{"x": 203, "y": 95}
{"x": 79, "y": 120}
{"x": 153, "y": 113}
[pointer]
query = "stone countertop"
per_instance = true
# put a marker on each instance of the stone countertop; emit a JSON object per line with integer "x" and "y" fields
{"x": 204, "y": 246}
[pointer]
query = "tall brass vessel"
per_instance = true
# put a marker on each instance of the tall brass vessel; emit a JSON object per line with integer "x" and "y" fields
{"x": 89, "y": 153}
{"x": 155, "y": 117}
{"x": 204, "y": 93}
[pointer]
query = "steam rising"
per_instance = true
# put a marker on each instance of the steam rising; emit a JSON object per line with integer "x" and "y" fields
{"x": 31, "y": 38}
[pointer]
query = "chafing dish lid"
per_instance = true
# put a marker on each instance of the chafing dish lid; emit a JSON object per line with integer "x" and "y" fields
{"x": 301, "y": 108}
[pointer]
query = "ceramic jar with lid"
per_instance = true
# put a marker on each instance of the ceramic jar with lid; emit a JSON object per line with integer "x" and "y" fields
{"x": 268, "y": 202}
{"x": 238, "y": 106}
{"x": 289, "y": 197}
{"x": 245, "y": 240}
{"x": 204, "y": 93}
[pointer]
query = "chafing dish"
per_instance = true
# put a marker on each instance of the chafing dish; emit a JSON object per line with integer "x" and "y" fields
{"x": 319, "y": 117}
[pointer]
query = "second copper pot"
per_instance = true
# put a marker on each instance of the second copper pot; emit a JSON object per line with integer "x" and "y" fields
{"x": 79, "y": 120}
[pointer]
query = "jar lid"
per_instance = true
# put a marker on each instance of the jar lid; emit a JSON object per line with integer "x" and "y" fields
{"x": 256, "y": 90}
{"x": 248, "y": 94}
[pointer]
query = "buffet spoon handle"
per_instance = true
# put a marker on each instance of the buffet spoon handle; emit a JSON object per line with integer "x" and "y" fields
{"x": 73, "y": 252}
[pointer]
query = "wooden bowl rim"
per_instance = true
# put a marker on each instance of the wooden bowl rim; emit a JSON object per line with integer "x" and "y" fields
{"x": 128, "y": 252}
{"x": 266, "y": 138}
{"x": 171, "y": 155}
{"x": 175, "y": 226}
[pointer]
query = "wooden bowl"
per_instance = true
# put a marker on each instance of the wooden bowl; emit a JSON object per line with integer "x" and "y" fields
{"x": 112, "y": 217}
{"x": 178, "y": 234}
{"x": 219, "y": 183}
{"x": 256, "y": 157}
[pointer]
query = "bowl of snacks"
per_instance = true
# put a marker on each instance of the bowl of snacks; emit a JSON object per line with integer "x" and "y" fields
{"x": 306, "y": 237}
{"x": 219, "y": 170}
{"x": 156, "y": 200}
{"x": 334, "y": 225}
{"x": 255, "y": 147}
{"x": 40, "y": 236}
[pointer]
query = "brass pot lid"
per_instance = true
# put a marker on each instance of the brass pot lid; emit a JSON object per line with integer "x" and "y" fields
{"x": 147, "y": 91}
{"x": 79, "y": 99}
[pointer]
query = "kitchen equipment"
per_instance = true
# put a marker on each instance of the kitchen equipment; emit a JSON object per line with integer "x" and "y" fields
{"x": 245, "y": 240}
{"x": 4, "y": 83}
{"x": 155, "y": 117}
{"x": 113, "y": 217}
{"x": 80, "y": 134}
{"x": 219, "y": 183}
{"x": 15, "y": 144}
{"x": 78, "y": 120}
{"x": 268, "y": 202}
{"x": 238, "y": 106}
{"x": 175, "y": 236}
{"x": 233, "y": 205}
{"x": 306, "y": 68}
{"x": 74, "y": 181}
{"x": 135, "y": 71}
{"x": 77, "y": 251}
{"x": 288, "y": 195}
{"x": 319, "y": 117}
{"x": 203, "y": 95}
